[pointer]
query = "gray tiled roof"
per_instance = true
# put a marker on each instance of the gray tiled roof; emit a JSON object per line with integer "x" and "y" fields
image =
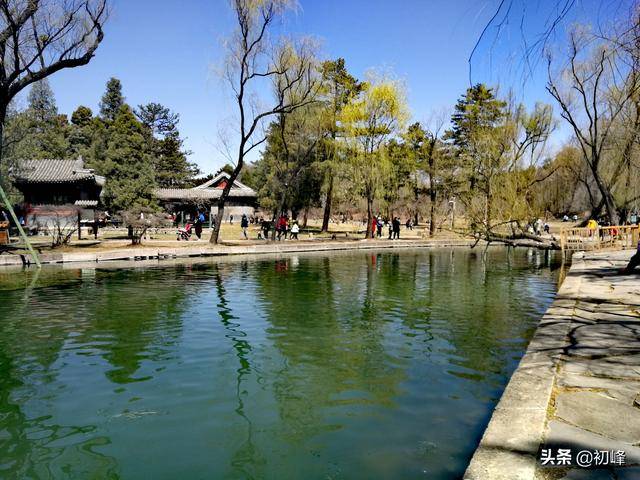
{"x": 206, "y": 191}
{"x": 55, "y": 171}
{"x": 199, "y": 193}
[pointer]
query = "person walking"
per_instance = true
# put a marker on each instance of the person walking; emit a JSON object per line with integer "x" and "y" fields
{"x": 390, "y": 227}
{"x": 244, "y": 224}
{"x": 295, "y": 229}
{"x": 198, "y": 224}
{"x": 396, "y": 228}
{"x": 281, "y": 227}
{"x": 266, "y": 226}
{"x": 379, "y": 226}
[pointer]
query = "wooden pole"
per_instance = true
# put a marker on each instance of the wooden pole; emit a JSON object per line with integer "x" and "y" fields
{"x": 33, "y": 253}
{"x": 79, "y": 226}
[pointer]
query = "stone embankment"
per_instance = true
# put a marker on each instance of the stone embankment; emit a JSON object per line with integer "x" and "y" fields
{"x": 203, "y": 249}
{"x": 577, "y": 387}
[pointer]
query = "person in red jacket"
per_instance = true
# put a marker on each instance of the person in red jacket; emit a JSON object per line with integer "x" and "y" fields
{"x": 281, "y": 226}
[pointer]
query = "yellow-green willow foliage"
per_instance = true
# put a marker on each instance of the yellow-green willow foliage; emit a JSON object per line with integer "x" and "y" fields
{"x": 377, "y": 114}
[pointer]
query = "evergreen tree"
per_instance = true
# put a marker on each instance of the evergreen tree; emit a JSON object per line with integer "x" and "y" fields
{"x": 478, "y": 109}
{"x": 127, "y": 164}
{"x": 112, "y": 100}
{"x": 42, "y": 103}
{"x": 82, "y": 132}
{"x": 171, "y": 166}
{"x": 42, "y": 132}
{"x": 82, "y": 116}
{"x": 158, "y": 118}
{"x": 477, "y": 115}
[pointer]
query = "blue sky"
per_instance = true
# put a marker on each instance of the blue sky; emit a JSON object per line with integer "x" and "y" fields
{"x": 166, "y": 51}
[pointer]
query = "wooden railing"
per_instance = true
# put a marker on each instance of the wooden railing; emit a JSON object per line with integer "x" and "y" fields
{"x": 599, "y": 238}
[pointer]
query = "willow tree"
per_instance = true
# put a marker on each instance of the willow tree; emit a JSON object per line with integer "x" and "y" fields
{"x": 595, "y": 88}
{"x": 378, "y": 113}
{"x": 254, "y": 62}
{"x": 40, "y": 38}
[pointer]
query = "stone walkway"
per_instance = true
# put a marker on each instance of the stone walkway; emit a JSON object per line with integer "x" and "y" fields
{"x": 578, "y": 385}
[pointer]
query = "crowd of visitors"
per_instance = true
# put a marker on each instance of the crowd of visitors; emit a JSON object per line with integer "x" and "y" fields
{"x": 392, "y": 225}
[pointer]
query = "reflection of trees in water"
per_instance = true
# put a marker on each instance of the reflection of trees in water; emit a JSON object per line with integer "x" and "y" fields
{"x": 325, "y": 324}
{"x": 343, "y": 325}
{"x": 247, "y": 461}
{"x": 496, "y": 300}
{"x": 34, "y": 447}
{"x": 134, "y": 316}
{"x": 339, "y": 326}
{"x": 113, "y": 313}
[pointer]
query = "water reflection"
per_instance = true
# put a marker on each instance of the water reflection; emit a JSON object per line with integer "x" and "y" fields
{"x": 246, "y": 461}
{"x": 351, "y": 365}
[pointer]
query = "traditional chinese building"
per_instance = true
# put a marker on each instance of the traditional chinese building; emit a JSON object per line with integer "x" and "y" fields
{"x": 54, "y": 189}
{"x": 184, "y": 203}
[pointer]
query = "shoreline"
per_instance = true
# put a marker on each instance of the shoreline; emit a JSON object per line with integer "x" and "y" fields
{"x": 556, "y": 393}
{"x": 159, "y": 253}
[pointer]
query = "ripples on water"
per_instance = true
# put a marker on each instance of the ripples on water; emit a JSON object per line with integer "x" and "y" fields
{"x": 353, "y": 365}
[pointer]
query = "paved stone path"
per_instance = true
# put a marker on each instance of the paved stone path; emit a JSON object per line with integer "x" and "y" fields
{"x": 578, "y": 385}
{"x": 595, "y": 403}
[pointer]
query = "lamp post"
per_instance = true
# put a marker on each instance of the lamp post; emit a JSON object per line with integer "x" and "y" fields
{"x": 452, "y": 207}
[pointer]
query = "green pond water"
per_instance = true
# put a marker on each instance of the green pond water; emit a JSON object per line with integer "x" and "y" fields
{"x": 342, "y": 366}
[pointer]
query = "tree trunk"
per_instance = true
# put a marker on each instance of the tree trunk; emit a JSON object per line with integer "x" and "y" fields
{"x": 305, "y": 217}
{"x": 215, "y": 233}
{"x": 487, "y": 207}
{"x": 274, "y": 222}
{"x": 369, "y": 217}
{"x": 432, "y": 209}
{"x": 327, "y": 205}
{"x": 416, "y": 194}
{"x": 432, "y": 217}
{"x": 525, "y": 242}
{"x": 607, "y": 197}
{"x": 277, "y": 214}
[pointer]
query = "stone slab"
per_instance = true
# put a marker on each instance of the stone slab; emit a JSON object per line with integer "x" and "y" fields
{"x": 563, "y": 435}
{"x": 597, "y": 413}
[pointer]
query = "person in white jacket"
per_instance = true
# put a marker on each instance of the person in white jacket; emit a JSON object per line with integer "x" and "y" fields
{"x": 295, "y": 229}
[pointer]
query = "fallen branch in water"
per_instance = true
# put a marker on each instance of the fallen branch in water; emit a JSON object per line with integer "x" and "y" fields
{"x": 518, "y": 237}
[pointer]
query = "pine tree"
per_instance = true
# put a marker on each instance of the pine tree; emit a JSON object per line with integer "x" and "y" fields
{"x": 82, "y": 116}
{"x": 127, "y": 165}
{"x": 43, "y": 132}
{"x": 112, "y": 100}
{"x": 478, "y": 109}
{"x": 81, "y": 132}
{"x": 171, "y": 166}
{"x": 42, "y": 103}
